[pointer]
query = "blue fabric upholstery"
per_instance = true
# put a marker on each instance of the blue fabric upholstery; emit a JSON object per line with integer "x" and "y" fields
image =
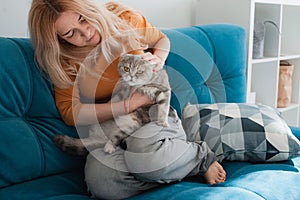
{"x": 28, "y": 122}
{"x": 206, "y": 64}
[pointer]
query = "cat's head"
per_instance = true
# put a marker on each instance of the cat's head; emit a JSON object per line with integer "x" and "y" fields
{"x": 134, "y": 70}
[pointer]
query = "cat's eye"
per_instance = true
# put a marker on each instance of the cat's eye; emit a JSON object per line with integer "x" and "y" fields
{"x": 126, "y": 69}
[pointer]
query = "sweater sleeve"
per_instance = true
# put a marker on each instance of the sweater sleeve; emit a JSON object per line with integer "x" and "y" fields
{"x": 68, "y": 103}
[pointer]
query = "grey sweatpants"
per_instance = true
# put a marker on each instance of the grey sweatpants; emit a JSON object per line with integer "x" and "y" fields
{"x": 154, "y": 155}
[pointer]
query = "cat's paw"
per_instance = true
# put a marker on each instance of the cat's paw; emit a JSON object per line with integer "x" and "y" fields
{"x": 69, "y": 145}
{"x": 109, "y": 147}
{"x": 60, "y": 141}
{"x": 163, "y": 123}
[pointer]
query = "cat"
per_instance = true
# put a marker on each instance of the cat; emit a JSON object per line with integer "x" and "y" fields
{"x": 136, "y": 75}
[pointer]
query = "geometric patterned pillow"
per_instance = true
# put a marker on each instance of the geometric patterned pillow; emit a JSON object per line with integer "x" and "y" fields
{"x": 240, "y": 131}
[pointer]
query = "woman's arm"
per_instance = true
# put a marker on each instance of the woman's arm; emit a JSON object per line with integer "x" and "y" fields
{"x": 94, "y": 113}
{"x": 157, "y": 42}
{"x": 160, "y": 53}
{"x": 162, "y": 48}
{"x": 74, "y": 112}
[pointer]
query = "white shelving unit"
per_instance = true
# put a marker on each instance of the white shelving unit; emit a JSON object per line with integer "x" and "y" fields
{"x": 263, "y": 74}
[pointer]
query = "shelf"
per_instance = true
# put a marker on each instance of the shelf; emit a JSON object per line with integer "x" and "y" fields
{"x": 272, "y": 59}
{"x": 285, "y": 2}
{"x": 264, "y": 60}
{"x": 289, "y": 57}
{"x": 291, "y": 2}
{"x": 290, "y": 107}
{"x": 268, "y": 1}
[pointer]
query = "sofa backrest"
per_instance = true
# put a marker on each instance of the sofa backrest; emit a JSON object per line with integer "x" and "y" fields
{"x": 28, "y": 118}
{"x": 206, "y": 64}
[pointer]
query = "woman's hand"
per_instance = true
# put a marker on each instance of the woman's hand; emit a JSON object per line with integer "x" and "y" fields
{"x": 159, "y": 53}
{"x": 154, "y": 59}
{"x": 137, "y": 100}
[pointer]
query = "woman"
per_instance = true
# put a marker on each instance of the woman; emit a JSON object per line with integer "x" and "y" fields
{"x": 64, "y": 33}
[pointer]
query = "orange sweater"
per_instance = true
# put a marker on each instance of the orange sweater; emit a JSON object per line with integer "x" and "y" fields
{"x": 89, "y": 89}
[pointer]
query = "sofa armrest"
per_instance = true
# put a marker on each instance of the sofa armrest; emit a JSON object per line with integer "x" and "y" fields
{"x": 296, "y": 131}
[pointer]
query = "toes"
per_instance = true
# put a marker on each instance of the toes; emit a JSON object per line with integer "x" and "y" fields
{"x": 215, "y": 174}
{"x": 221, "y": 176}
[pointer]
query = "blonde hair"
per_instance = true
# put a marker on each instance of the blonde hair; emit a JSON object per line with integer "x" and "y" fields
{"x": 60, "y": 59}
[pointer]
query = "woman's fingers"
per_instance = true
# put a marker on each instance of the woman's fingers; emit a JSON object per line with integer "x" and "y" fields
{"x": 153, "y": 59}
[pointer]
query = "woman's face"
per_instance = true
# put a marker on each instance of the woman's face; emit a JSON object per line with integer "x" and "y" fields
{"x": 74, "y": 29}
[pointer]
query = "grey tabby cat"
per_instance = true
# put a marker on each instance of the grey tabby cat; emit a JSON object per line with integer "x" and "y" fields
{"x": 136, "y": 74}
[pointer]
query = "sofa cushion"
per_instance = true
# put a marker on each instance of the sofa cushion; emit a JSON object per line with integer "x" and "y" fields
{"x": 63, "y": 186}
{"x": 244, "y": 180}
{"x": 197, "y": 191}
{"x": 239, "y": 131}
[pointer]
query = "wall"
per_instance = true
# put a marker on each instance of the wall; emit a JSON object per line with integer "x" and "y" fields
{"x": 161, "y": 13}
{"x": 13, "y": 17}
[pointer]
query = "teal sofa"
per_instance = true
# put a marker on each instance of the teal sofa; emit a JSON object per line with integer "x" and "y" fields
{"x": 33, "y": 168}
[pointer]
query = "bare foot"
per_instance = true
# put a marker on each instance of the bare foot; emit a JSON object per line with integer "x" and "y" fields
{"x": 215, "y": 173}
